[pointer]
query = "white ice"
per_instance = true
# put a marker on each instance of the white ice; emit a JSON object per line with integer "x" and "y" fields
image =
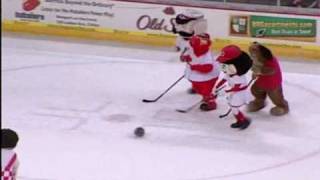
{"x": 76, "y": 103}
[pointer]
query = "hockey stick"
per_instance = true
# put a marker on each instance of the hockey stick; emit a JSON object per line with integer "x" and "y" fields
{"x": 196, "y": 104}
{"x": 251, "y": 81}
{"x": 229, "y": 111}
{"x": 157, "y": 98}
{"x": 189, "y": 108}
{"x": 216, "y": 94}
{"x": 225, "y": 114}
{"x": 219, "y": 89}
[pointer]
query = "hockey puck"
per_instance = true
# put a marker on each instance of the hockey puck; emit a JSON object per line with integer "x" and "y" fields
{"x": 139, "y": 132}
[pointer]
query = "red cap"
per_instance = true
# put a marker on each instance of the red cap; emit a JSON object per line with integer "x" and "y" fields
{"x": 228, "y": 53}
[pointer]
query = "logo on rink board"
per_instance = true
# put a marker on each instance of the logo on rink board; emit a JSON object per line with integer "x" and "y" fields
{"x": 29, "y": 5}
{"x": 239, "y": 25}
{"x": 146, "y": 22}
{"x": 27, "y": 15}
{"x": 33, "y": 17}
{"x": 273, "y": 27}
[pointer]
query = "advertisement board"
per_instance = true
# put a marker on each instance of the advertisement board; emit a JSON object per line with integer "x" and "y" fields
{"x": 152, "y": 23}
{"x": 297, "y": 29}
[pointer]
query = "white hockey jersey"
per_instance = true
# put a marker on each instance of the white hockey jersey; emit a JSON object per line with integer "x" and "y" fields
{"x": 237, "y": 98}
{"x": 9, "y": 164}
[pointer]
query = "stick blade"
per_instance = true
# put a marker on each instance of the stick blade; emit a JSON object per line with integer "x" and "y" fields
{"x": 181, "y": 110}
{"x": 186, "y": 110}
{"x": 225, "y": 115}
{"x": 148, "y": 101}
{"x": 222, "y": 116}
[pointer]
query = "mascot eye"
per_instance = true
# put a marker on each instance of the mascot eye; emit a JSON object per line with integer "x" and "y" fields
{"x": 224, "y": 67}
{"x": 183, "y": 19}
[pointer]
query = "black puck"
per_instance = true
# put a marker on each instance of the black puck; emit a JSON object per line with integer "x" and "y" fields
{"x": 139, "y": 132}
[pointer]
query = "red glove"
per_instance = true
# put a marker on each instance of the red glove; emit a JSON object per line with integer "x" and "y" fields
{"x": 203, "y": 68}
{"x": 185, "y": 58}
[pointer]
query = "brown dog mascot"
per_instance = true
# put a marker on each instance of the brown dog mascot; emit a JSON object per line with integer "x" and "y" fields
{"x": 268, "y": 82}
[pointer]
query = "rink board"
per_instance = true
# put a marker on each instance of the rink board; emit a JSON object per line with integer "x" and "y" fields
{"x": 151, "y": 24}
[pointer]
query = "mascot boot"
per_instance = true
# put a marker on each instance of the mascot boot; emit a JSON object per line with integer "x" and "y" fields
{"x": 209, "y": 103}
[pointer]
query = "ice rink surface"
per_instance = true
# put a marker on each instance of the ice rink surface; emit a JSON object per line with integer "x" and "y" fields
{"x": 76, "y": 103}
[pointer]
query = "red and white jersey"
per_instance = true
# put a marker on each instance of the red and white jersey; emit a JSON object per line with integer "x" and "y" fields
{"x": 235, "y": 79}
{"x": 9, "y": 164}
{"x": 240, "y": 95}
{"x": 197, "y": 76}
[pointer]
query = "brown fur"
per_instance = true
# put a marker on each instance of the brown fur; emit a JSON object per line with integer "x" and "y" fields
{"x": 260, "y": 55}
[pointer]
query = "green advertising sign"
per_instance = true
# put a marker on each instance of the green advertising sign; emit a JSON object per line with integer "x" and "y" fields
{"x": 263, "y": 26}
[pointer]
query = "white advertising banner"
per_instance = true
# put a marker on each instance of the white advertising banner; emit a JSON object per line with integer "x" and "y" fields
{"x": 64, "y": 12}
{"x": 103, "y": 15}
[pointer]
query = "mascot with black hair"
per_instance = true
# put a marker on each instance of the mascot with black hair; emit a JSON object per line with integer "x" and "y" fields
{"x": 235, "y": 64}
